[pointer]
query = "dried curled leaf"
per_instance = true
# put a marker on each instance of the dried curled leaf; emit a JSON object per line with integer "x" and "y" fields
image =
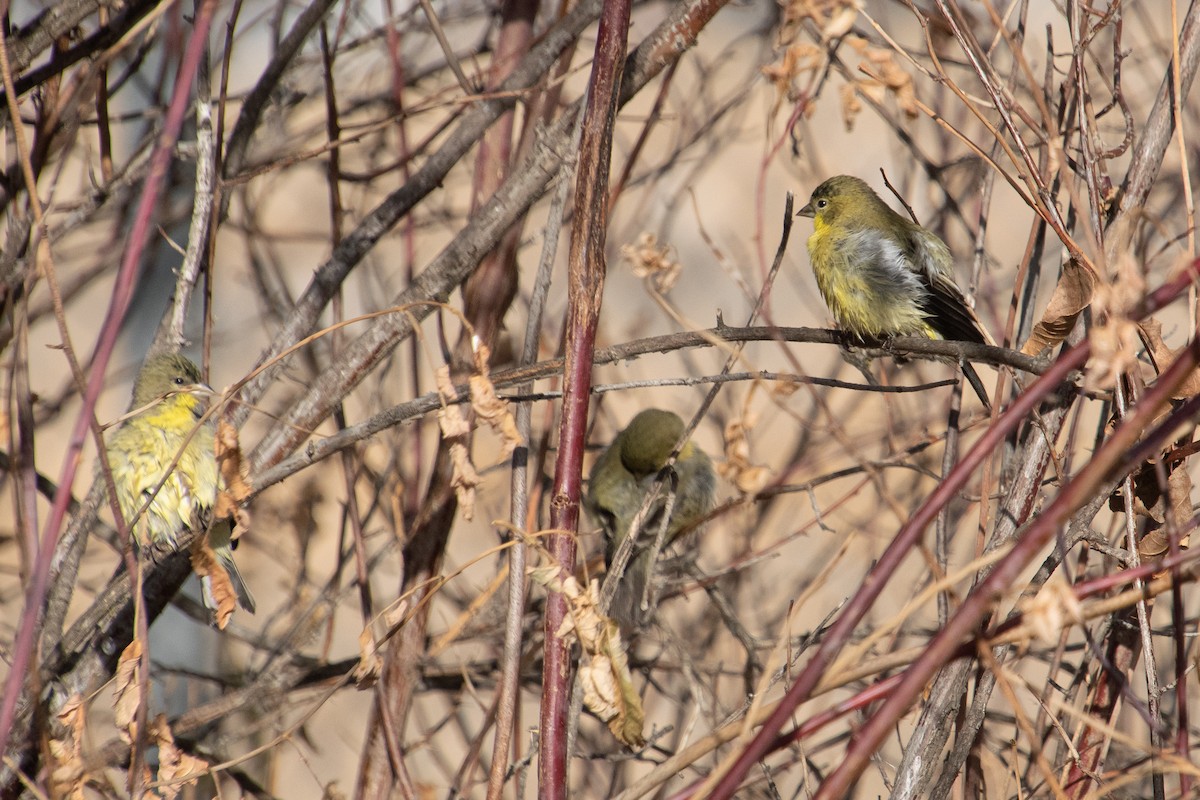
{"x": 234, "y": 491}
{"x": 488, "y": 406}
{"x": 1072, "y": 294}
{"x": 234, "y": 487}
{"x": 219, "y": 595}
{"x": 884, "y": 78}
{"x": 1163, "y": 357}
{"x": 833, "y": 18}
{"x": 1050, "y": 610}
{"x": 126, "y": 694}
{"x": 176, "y": 768}
{"x": 1115, "y": 348}
{"x": 608, "y": 689}
{"x": 1161, "y": 512}
{"x": 455, "y": 430}
{"x": 609, "y": 693}
{"x": 841, "y": 20}
{"x": 737, "y": 467}
{"x": 802, "y": 58}
{"x": 798, "y": 59}
{"x": 370, "y": 663}
{"x": 651, "y": 262}
{"x": 67, "y": 766}
{"x": 1114, "y": 337}
{"x": 851, "y": 105}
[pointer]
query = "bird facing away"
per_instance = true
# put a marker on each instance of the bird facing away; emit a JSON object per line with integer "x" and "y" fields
{"x": 617, "y": 487}
{"x": 167, "y": 407}
{"x": 883, "y": 275}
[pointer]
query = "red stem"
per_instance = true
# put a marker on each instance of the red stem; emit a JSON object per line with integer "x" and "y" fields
{"x": 586, "y": 270}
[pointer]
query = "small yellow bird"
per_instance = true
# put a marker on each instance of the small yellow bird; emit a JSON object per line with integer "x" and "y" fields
{"x": 168, "y": 404}
{"x": 618, "y": 484}
{"x": 882, "y": 275}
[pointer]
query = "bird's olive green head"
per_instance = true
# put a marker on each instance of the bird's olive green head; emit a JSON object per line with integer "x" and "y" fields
{"x": 840, "y": 195}
{"x": 648, "y": 440}
{"x": 163, "y": 374}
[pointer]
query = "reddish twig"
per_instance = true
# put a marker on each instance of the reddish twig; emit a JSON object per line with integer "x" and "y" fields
{"x": 586, "y": 271}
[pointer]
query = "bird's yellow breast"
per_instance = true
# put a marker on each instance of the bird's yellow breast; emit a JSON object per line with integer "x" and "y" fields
{"x": 140, "y": 453}
{"x": 867, "y": 285}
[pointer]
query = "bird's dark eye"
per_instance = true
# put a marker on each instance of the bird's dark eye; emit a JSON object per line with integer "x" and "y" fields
{"x": 178, "y": 380}
{"x": 822, "y": 203}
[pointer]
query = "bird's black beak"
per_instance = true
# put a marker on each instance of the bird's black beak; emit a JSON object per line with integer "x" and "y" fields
{"x": 807, "y": 211}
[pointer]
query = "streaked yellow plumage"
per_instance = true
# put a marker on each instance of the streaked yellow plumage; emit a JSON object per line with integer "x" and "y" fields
{"x": 167, "y": 408}
{"x": 883, "y": 275}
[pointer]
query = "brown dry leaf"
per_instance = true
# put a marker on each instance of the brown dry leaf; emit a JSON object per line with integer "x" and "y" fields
{"x": 841, "y": 20}
{"x": 455, "y": 425}
{"x": 781, "y": 390}
{"x": 1050, "y": 610}
{"x": 1114, "y": 337}
{"x": 851, "y": 105}
{"x": 834, "y": 18}
{"x": 370, "y": 664}
{"x": 125, "y": 688}
{"x": 235, "y": 491}
{"x": 464, "y": 480}
{"x": 1071, "y": 296}
{"x": 488, "y": 405}
{"x": 1179, "y": 498}
{"x": 609, "y": 693}
{"x": 798, "y": 59}
{"x": 737, "y": 468}
{"x": 176, "y": 768}
{"x": 1154, "y": 544}
{"x": 67, "y": 768}
{"x": 898, "y": 81}
{"x": 217, "y": 586}
{"x": 801, "y": 58}
{"x": 455, "y": 430}
{"x": 608, "y": 689}
{"x": 1115, "y": 346}
{"x": 1154, "y": 506}
{"x": 651, "y": 262}
{"x": 1163, "y": 357}
{"x": 884, "y": 77}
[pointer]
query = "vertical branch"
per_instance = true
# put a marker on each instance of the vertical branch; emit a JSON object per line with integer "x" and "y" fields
{"x": 498, "y": 276}
{"x": 586, "y": 267}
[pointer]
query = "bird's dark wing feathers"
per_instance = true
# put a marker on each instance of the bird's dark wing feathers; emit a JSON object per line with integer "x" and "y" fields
{"x": 949, "y": 314}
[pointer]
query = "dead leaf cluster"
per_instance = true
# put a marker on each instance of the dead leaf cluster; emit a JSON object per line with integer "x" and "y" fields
{"x": 456, "y": 429}
{"x": 652, "y": 262}
{"x": 1114, "y": 334}
{"x": 884, "y": 78}
{"x": 1072, "y": 294}
{"x": 608, "y": 689}
{"x": 737, "y": 467}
